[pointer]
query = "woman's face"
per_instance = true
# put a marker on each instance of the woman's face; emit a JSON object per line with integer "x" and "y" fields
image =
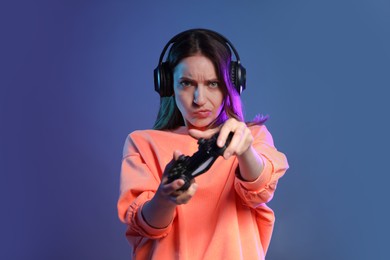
{"x": 197, "y": 90}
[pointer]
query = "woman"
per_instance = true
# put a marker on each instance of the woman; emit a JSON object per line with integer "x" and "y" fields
{"x": 223, "y": 213}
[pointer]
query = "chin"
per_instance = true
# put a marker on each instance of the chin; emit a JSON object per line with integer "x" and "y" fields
{"x": 200, "y": 125}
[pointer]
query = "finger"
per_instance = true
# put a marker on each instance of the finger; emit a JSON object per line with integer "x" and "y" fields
{"x": 186, "y": 196}
{"x": 236, "y": 142}
{"x": 231, "y": 148}
{"x": 172, "y": 187}
{"x": 176, "y": 154}
{"x": 193, "y": 188}
{"x": 240, "y": 142}
{"x": 197, "y": 134}
{"x": 229, "y": 126}
{"x": 246, "y": 142}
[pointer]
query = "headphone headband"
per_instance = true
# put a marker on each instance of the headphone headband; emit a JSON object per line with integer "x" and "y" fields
{"x": 163, "y": 75}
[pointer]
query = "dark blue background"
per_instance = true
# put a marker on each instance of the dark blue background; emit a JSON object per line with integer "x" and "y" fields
{"x": 76, "y": 78}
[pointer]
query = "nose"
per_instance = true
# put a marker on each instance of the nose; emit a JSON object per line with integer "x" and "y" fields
{"x": 199, "y": 96}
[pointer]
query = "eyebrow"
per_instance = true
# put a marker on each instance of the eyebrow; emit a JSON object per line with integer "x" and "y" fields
{"x": 186, "y": 79}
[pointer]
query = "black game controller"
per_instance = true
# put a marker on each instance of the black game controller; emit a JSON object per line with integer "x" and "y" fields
{"x": 188, "y": 167}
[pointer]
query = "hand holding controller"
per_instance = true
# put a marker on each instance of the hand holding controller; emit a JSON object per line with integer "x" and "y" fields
{"x": 188, "y": 167}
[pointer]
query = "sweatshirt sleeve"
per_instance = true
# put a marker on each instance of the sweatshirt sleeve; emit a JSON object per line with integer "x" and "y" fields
{"x": 139, "y": 180}
{"x": 262, "y": 189}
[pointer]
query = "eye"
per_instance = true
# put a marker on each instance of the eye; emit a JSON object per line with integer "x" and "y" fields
{"x": 185, "y": 83}
{"x": 213, "y": 84}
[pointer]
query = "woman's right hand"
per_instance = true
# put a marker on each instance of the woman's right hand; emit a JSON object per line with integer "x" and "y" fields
{"x": 159, "y": 211}
{"x": 170, "y": 192}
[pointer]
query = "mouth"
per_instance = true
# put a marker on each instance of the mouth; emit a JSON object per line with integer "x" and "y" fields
{"x": 202, "y": 113}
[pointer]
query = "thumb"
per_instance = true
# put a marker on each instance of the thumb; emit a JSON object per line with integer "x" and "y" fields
{"x": 176, "y": 154}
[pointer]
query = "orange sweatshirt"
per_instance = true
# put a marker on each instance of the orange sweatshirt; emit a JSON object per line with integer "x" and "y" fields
{"x": 226, "y": 219}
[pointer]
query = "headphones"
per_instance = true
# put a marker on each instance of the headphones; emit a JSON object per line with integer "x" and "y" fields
{"x": 163, "y": 75}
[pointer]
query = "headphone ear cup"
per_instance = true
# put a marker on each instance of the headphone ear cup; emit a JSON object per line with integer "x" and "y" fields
{"x": 238, "y": 76}
{"x": 157, "y": 79}
{"x": 163, "y": 82}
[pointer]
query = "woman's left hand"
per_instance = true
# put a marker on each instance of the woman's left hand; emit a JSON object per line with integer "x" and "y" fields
{"x": 250, "y": 162}
{"x": 241, "y": 142}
